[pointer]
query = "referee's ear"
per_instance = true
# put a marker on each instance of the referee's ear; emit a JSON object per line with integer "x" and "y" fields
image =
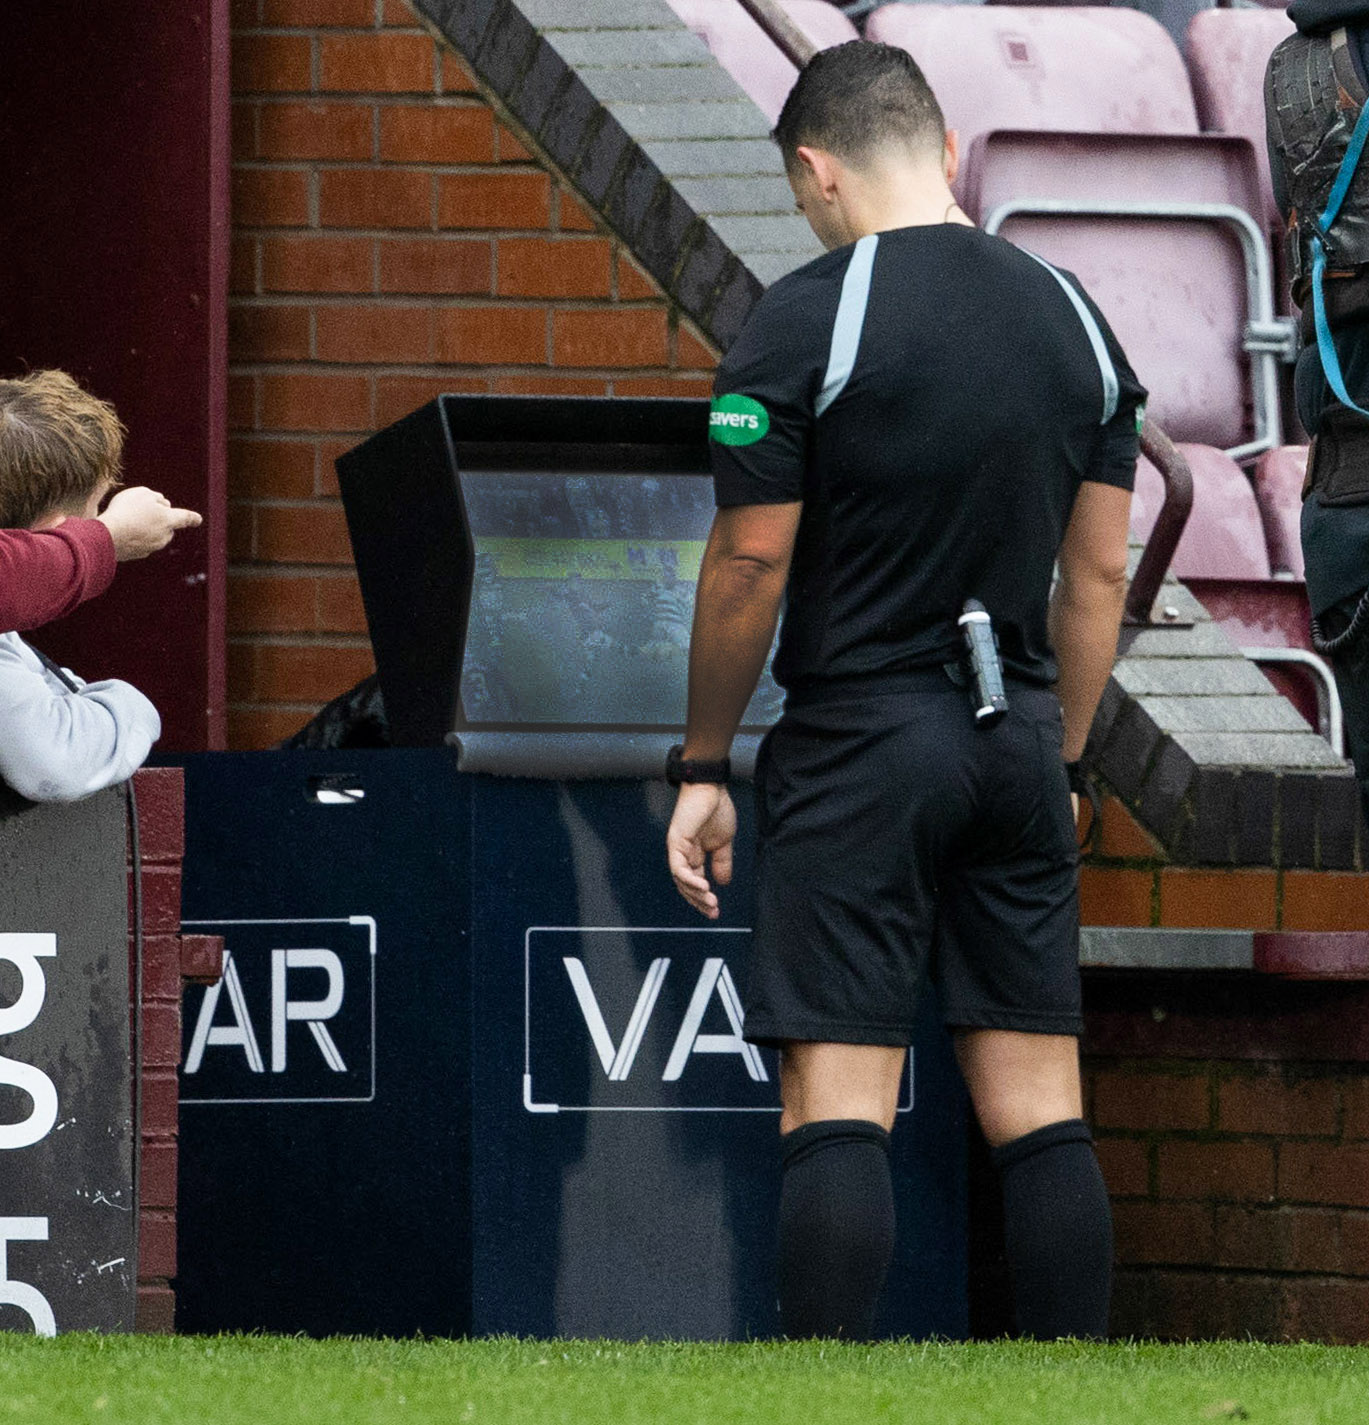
{"x": 950, "y": 156}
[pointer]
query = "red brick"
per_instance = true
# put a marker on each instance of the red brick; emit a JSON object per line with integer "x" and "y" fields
{"x": 456, "y": 77}
{"x": 242, "y": 401}
{"x": 1195, "y": 1305}
{"x": 155, "y": 1313}
{"x": 1325, "y": 901}
{"x": 157, "y": 1244}
{"x": 572, "y": 215}
{"x": 376, "y": 63}
{"x": 162, "y": 1035}
{"x": 437, "y": 265}
{"x": 242, "y": 269}
{"x": 524, "y": 385}
{"x": 325, "y": 477}
{"x": 1353, "y": 1232}
{"x": 396, "y": 396}
{"x": 1121, "y": 837}
{"x": 1141, "y": 1101}
{"x": 1233, "y": 1172}
{"x": 691, "y": 354}
{"x": 375, "y": 198}
{"x": 494, "y": 200}
{"x": 1336, "y": 1312}
{"x": 492, "y": 336}
{"x": 272, "y": 603}
{"x": 633, "y": 283}
{"x": 202, "y": 959}
{"x": 160, "y": 1104}
{"x": 433, "y": 133}
{"x": 158, "y": 1174}
{"x": 1322, "y": 1172}
{"x": 1126, "y": 1166}
{"x": 610, "y": 337}
{"x": 1225, "y": 899}
{"x": 244, "y": 14}
{"x": 1163, "y": 1233}
{"x": 315, "y": 401}
{"x": 271, "y": 63}
{"x": 160, "y": 794}
{"x": 339, "y": 606}
{"x": 270, "y": 198}
{"x": 1355, "y": 1098}
{"x": 1115, "y": 897}
{"x": 373, "y": 333}
{"x": 663, "y": 386}
{"x": 242, "y": 526}
{"x": 161, "y": 967}
{"x": 242, "y": 134}
{"x": 251, "y": 729}
{"x": 270, "y": 469}
{"x": 399, "y": 13}
{"x": 161, "y": 900}
{"x": 337, "y": 131}
{"x": 317, "y": 264}
{"x": 545, "y": 267}
{"x": 259, "y": 332}
{"x": 511, "y": 148}
{"x": 303, "y": 534}
{"x": 310, "y": 673}
{"x": 241, "y": 670}
{"x": 1267, "y": 1104}
{"x": 1297, "y": 1239}
{"x": 306, "y": 14}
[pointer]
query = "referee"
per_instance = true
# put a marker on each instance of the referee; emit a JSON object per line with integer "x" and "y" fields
{"x": 923, "y": 416}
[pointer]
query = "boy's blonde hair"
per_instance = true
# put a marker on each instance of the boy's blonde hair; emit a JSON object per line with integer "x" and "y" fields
{"x": 58, "y": 445}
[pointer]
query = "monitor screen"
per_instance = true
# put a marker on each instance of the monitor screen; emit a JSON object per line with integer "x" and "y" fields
{"x": 583, "y": 600}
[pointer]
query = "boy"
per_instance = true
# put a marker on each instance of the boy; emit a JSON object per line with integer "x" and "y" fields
{"x": 61, "y": 739}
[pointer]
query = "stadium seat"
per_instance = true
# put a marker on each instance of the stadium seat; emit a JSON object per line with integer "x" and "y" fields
{"x": 1278, "y": 490}
{"x": 1081, "y": 70}
{"x": 1224, "y": 537}
{"x": 739, "y": 44}
{"x": 1227, "y": 54}
{"x": 1178, "y": 289}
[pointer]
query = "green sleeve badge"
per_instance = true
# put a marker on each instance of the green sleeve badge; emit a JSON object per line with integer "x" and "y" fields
{"x": 1140, "y": 418}
{"x": 737, "y": 420}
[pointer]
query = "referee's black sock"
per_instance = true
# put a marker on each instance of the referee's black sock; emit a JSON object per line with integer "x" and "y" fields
{"x": 1057, "y": 1222}
{"x": 836, "y": 1228}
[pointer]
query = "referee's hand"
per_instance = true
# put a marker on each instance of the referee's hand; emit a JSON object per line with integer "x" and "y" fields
{"x": 703, "y": 826}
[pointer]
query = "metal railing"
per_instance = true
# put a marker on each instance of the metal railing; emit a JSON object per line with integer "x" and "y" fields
{"x": 1164, "y": 538}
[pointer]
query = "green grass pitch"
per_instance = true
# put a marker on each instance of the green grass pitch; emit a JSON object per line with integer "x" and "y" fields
{"x": 261, "y": 1380}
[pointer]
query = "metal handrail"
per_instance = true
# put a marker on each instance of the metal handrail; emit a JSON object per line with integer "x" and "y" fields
{"x": 1330, "y": 713}
{"x": 1259, "y": 283}
{"x": 791, "y": 41}
{"x": 1169, "y": 525}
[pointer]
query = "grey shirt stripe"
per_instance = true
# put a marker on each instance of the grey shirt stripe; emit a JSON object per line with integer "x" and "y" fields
{"x": 855, "y": 295}
{"x": 1100, "y": 349}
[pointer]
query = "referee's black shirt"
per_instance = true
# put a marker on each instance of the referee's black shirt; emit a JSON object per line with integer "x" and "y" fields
{"x": 935, "y": 397}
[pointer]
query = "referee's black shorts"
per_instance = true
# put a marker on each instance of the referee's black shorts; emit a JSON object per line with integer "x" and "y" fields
{"x": 897, "y": 840}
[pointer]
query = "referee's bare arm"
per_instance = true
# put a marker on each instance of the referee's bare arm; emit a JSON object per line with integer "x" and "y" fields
{"x": 741, "y": 583}
{"x": 1086, "y": 606}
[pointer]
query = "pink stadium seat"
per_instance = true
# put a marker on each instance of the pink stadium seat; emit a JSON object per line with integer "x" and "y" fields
{"x": 739, "y": 44}
{"x": 1174, "y": 289}
{"x": 1078, "y": 69}
{"x": 1227, "y": 54}
{"x": 1224, "y": 537}
{"x": 1278, "y": 489}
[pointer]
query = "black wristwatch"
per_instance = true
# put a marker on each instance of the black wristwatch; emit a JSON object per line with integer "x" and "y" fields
{"x": 679, "y": 770}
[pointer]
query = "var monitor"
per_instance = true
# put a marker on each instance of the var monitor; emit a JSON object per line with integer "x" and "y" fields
{"x": 530, "y": 565}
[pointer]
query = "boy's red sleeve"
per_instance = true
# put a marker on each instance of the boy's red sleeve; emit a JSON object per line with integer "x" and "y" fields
{"x": 44, "y": 574}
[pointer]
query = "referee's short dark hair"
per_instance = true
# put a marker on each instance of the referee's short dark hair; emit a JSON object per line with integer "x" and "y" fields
{"x": 857, "y": 98}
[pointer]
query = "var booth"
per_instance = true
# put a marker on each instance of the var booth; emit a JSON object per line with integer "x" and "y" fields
{"x": 473, "y": 1066}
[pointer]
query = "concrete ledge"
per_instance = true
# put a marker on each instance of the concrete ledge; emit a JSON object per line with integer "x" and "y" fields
{"x": 1114, "y": 947}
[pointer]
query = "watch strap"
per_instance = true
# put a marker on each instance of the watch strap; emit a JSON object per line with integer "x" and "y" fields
{"x": 680, "y": 770}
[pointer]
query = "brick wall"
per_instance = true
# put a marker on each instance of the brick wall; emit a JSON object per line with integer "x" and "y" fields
{"x": 393, "y": 239}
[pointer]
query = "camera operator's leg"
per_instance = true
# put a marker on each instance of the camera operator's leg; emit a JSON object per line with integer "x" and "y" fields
{"x": 836, "y": 1202}
{"x": 1056, "y": 1216}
